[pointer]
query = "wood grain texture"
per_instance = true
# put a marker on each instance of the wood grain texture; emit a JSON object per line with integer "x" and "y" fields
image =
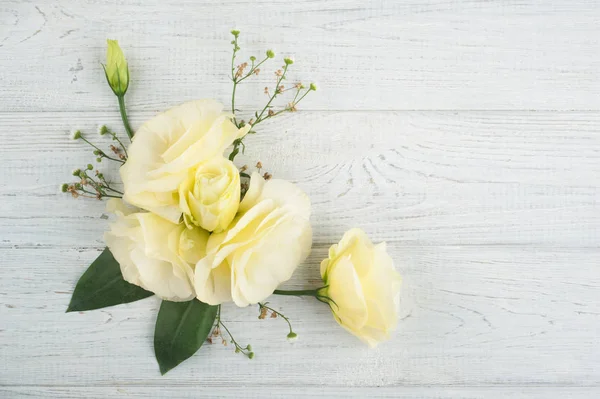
{"x": 298, "y": 392}
{"x": 433, "y": 178}
{"x": 491, "y": 217}
{"x": 468, "y": 315}
{"x": 434, "y": 54}
{"x": 465, "y": 134}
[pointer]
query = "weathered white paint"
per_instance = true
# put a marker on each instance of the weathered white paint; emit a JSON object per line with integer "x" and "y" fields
{"x": 366, "y": 55}
{"x": 465, "y": 134}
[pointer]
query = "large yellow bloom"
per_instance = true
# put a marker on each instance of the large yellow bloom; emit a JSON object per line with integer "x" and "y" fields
{"x": 170, "y": 146}
{"x": 261, "y": 248}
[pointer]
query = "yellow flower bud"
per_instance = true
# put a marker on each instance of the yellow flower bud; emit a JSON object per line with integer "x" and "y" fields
{"x": 117, "y": 73}
{"x": 210, "y": 195}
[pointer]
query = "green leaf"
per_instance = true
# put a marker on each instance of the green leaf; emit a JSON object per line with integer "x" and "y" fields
{"x": 103, "y": 285}
{"x": 181, "y": 329}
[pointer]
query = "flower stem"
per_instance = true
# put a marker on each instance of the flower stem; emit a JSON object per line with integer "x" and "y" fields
{"x": 92, "y": 145}
{"x": 120, "y": 143}
{"x": 124, "y": 116}
{"x": 247, "y": 350}
{"x": 233, "y": 104}
{"x": 258, "y": 119}
{"x": 100, "y": 152}
{"x": 234, "y": 79}
{"x": 264, "y": 305}
{"x": 320, "y": 294}
{"x": 297, "y": 292}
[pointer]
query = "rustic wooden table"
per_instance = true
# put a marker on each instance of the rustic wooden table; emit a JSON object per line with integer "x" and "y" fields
{"x": 465, "y": 134}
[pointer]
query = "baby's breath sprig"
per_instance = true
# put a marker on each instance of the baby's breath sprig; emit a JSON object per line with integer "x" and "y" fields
{"x": 246, "y": 350}
{"x": 77, "y": 135}
{"x": 90, "y": 187}
{"x": 103, "y": 130}
{"x": 264, "y": 309}
{"x": 239, "y": 74}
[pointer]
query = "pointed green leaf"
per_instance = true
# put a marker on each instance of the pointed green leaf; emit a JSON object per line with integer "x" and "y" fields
{"x": 103, "y": 285}
{"x": 181, "y": 329}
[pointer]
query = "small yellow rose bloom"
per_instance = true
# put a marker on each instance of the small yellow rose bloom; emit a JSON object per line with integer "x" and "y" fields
{"x": 116, "y": 70}
{"x": 169, "y": 148}
{"x": 210, "y": 195}
{"x": 363, "y": 286}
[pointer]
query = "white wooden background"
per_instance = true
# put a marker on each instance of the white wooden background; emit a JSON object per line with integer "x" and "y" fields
{"x": 466, "y": 134}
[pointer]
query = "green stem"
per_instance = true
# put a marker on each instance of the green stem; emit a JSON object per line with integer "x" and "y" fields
{"x": 112, "y": 189}
{"x": 234, "y": 79}
{"x": 97, "y": 186}
{"x": 258, "y": 120}
{"x": 101, "y": 195}
{"x": 278, "y": 313}
{"x": 124, "y": 116}
{"x": 84, "y": 139}
{"x": 233, "y": 104}
{"x": 120, "y": 143}
{"x": 252, "y": 69}
{"x": 300, "y": 99}
{"x": 317, "y": 294}
{"x": 297, "y": 292}
{"x": 102, "y": 153}
{"x": 247, "y": 352}
{"x": 296, "y": 96}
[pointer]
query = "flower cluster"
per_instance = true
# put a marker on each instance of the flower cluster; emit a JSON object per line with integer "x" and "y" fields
{"x": 192, "y": 228}
{"x": 176, "y": 171}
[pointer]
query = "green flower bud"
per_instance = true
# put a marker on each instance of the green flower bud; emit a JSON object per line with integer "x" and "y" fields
{"x": 251, "y": 355}
{"x": 253, "y": 58}
{"x": 103, "y": 130}
{"x": 98, "y": 159}
{"x": 116, "y": 70}
{"x": 288, "y": 60}
{"x": 249, "y": 347}
{"x": 76, "y": 135}
{"x": 77, "y": 172}
{"x": 235, "y": 32}
{"x": 313, "y": 87}
{"x": 64, "y": 187}
{"x": 90, "y": 166}
{"x": 270, "y": 54}
{"x": 292, "y": 336}
{"x": 237, "y": 350}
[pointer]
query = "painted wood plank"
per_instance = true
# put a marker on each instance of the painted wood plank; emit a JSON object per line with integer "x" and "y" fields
{"x": 432, "y": 178}
{"x": 472, "y": 316}
{"x": 299, "y": 392}
{"x": 492, "y": 217}
{"x": 365, "y": 55}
